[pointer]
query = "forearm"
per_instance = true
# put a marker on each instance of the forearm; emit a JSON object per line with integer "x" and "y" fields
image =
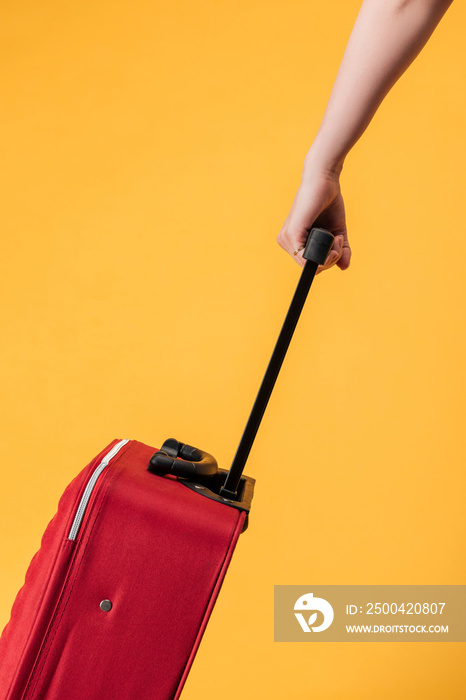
{"x": 387, "y": 36}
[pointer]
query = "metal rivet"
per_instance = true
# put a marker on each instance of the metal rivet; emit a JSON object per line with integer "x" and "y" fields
{"x": 106, "y": 605}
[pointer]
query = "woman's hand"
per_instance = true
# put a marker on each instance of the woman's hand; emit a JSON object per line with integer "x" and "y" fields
{"x": 387, "y": 36}
{"x": 318, "y": 202}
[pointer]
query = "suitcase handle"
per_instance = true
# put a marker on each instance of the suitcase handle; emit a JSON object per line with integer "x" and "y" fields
{"x": 317, "y": 248}
{"x": 178, "y": 459}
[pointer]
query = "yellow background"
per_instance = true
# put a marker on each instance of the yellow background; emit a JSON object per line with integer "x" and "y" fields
{"x": 150, "y": 153}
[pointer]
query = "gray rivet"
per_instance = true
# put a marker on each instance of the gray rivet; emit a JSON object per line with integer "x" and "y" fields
{"x": 106, "y": 605}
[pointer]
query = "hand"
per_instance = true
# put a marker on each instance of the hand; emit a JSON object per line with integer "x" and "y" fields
{"x": 318, "y": 202}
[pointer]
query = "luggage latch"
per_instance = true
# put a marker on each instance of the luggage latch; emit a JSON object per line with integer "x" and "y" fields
{"x": 198, "y": 471}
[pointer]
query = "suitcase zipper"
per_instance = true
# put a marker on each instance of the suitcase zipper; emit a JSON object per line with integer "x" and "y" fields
{"x": 78, "y": 518}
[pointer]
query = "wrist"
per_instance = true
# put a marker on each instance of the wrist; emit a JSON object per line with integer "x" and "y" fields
{"x": 320, "y": 159}
{"x": 315, "y": 164}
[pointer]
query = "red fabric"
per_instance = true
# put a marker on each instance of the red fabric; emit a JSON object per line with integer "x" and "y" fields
{"x": 157, "y": 551}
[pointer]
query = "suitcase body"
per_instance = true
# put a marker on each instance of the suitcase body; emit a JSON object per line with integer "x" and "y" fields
{"x": 116, "y": 600}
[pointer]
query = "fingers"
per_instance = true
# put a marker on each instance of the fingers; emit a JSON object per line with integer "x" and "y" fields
{"x": 339, "y": 255}
{"x": 298, "y": 257}
{"x": 345, "y": 258}
{"x": 293, "y": 242}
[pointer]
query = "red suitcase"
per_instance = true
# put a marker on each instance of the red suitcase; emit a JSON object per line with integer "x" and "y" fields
{"x": 137, "y": 531}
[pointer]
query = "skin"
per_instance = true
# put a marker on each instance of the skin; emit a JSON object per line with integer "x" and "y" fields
{"x": 386, "y": 38}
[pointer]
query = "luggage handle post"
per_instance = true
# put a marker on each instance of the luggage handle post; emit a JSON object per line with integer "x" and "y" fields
{"x": 315, "y": 253}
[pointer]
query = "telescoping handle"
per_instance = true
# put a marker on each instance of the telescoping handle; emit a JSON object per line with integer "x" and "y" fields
{"x": 315, "y": 253}
{"x": 198, "y": 470}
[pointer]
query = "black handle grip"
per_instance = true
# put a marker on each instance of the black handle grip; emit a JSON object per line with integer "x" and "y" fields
{"x": 178, "y": 459}
{"x": 318, "y": 246}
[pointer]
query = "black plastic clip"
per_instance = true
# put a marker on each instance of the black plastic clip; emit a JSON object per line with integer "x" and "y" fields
{"x": 198, "y": 471}
{"x": 179, "y": 459}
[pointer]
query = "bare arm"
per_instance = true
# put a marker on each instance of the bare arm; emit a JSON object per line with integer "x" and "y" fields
{"x": 387, "y": 36}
